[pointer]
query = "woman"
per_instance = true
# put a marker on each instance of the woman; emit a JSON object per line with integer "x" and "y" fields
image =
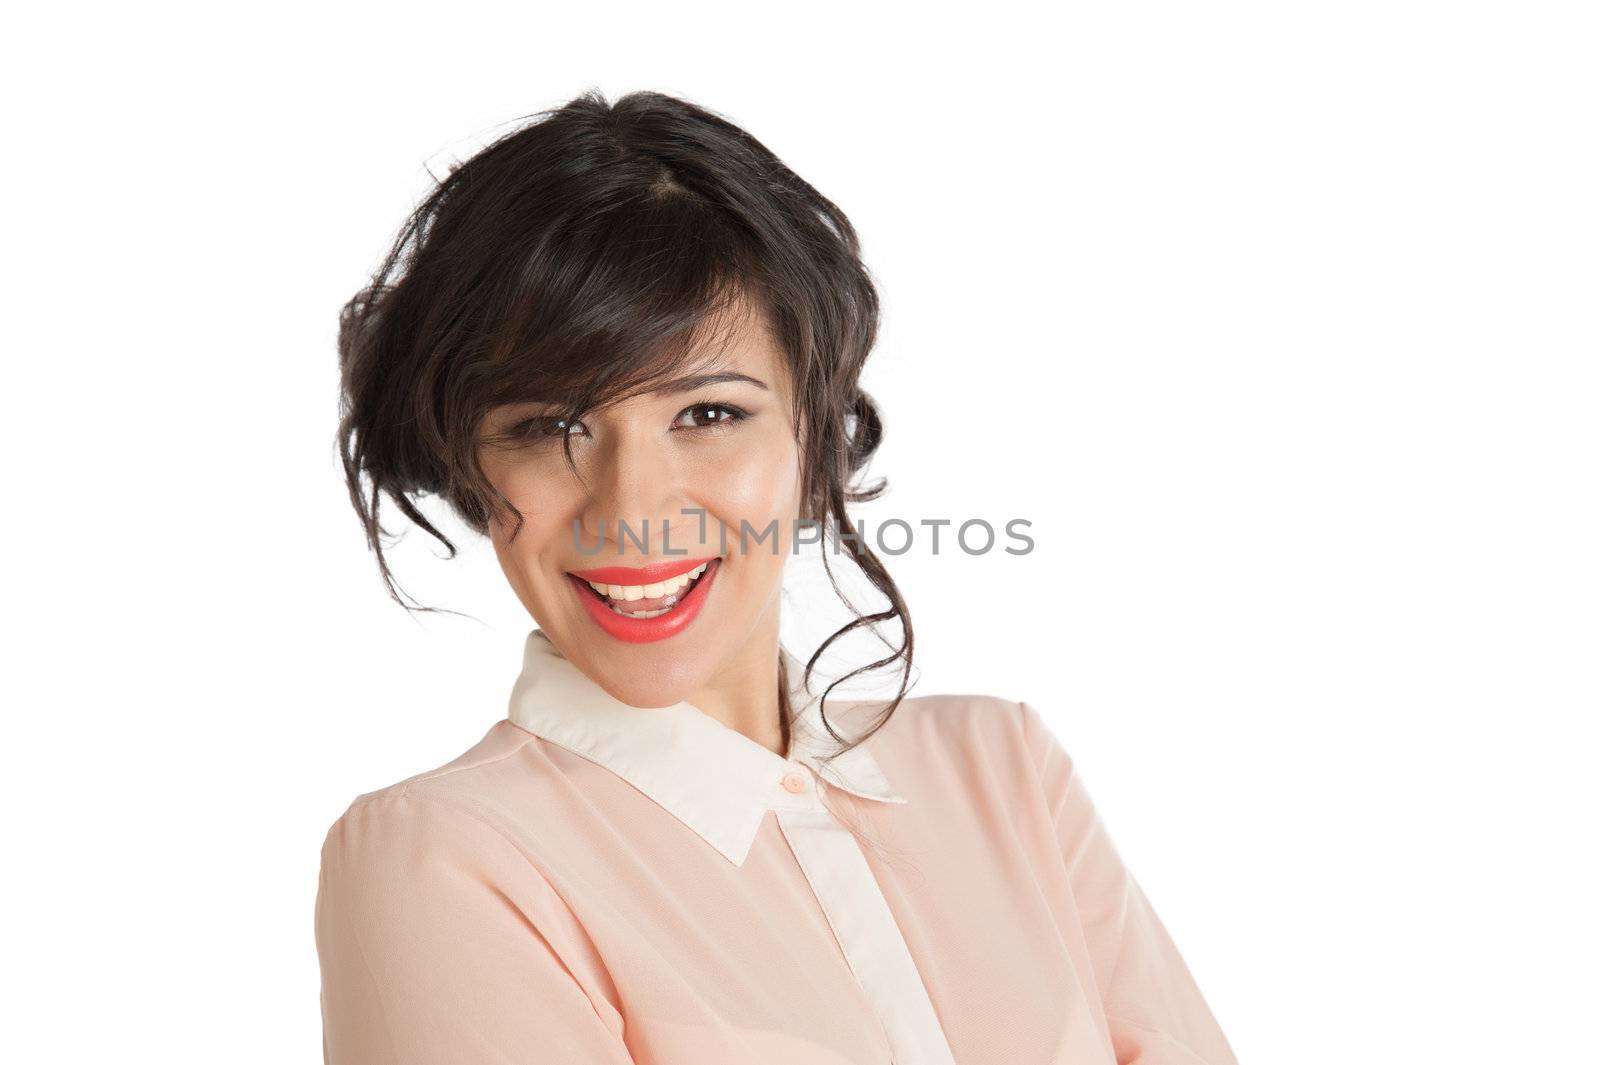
{"x": 624, "y": 342}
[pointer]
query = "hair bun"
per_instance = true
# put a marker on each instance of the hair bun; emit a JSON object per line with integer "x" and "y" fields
{"x": 863, "y": 429}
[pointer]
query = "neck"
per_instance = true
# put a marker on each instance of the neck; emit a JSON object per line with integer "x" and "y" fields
{"x": 744, "y": 694}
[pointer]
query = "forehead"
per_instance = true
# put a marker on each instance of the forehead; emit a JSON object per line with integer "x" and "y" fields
{"x": 740, "y": 339}
{"x": 734, "y": 344}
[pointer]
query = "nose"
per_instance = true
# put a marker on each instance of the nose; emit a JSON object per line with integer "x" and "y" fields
{"x": 635, "y": 497}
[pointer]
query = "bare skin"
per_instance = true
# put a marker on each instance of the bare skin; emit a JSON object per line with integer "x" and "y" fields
{"x": 650, "y": 457}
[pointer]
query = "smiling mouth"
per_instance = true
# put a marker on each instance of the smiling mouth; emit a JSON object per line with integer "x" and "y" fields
{"x": 644, "y": 601}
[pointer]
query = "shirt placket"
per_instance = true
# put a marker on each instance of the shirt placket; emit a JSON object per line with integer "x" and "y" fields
{"x": 862, "y": 923}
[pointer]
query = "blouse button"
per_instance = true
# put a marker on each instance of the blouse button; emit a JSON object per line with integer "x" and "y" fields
{"x": 794, "y": 782}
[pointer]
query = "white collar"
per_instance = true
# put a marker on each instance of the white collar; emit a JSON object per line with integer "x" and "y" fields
{"x": 711, "y": 777}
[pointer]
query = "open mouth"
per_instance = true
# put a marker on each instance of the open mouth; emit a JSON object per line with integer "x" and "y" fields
{"x": 643, "y": 613}
{"x": 641, "y": 601}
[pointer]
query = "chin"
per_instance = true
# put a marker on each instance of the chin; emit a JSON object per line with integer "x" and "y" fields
{"x": 646, "y": 689}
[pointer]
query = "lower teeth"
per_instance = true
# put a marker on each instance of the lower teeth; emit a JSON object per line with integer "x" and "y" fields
{"x": 640, "y": 614}
{"x": 672, "y": 601}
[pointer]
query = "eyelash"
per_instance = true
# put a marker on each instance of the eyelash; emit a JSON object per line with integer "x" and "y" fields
{"x": 542, "y": 428}
{"x": 736, "y": 414}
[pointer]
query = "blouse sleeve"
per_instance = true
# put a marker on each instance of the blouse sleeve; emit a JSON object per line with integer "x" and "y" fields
{"x": 440, "y": 942}
{"x": 1156, "y": 1012}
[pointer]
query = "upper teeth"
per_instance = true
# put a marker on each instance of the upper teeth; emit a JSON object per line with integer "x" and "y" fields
{"x": 671, "y": 586}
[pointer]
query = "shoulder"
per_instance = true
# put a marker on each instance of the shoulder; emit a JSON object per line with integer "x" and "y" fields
{"x": 434, "y": 800}
{"x": 408, "y": 869}
{"x": 990, "y": 731}
{"x": 973, "y": 745}
{"x": 964, "y": 714}
{"x": 501, "y": 742}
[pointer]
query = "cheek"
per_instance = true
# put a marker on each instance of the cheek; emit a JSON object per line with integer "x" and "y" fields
{"x": 758, "y": 483}
{"x": 539, "y": 497}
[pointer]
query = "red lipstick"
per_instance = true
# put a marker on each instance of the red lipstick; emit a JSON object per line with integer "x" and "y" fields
{"x": 654, "y": 573}
{"x": 644, "y": 630}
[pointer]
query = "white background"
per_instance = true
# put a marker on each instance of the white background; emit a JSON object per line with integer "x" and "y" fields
{"x": 1277, "y": 320}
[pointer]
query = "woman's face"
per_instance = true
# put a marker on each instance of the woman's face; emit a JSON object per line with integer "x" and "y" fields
{"x": 664, "y": 483}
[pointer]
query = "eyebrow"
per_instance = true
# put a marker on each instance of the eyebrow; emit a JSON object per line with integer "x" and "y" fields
{"x": 697, "y": 381}
{"x": 685, "y": 384}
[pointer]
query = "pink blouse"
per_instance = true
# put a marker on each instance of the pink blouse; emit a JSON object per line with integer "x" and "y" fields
{"x": 597, "y": 883}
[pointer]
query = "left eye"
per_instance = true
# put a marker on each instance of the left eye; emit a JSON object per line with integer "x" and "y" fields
{"x": 709, "y": 415}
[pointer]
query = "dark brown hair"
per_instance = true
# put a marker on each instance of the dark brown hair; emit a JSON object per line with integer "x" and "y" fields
{"x": 578, "y": 259}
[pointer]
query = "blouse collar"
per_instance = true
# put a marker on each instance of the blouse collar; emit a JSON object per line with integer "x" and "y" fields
{"x": 711, "y": 777}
